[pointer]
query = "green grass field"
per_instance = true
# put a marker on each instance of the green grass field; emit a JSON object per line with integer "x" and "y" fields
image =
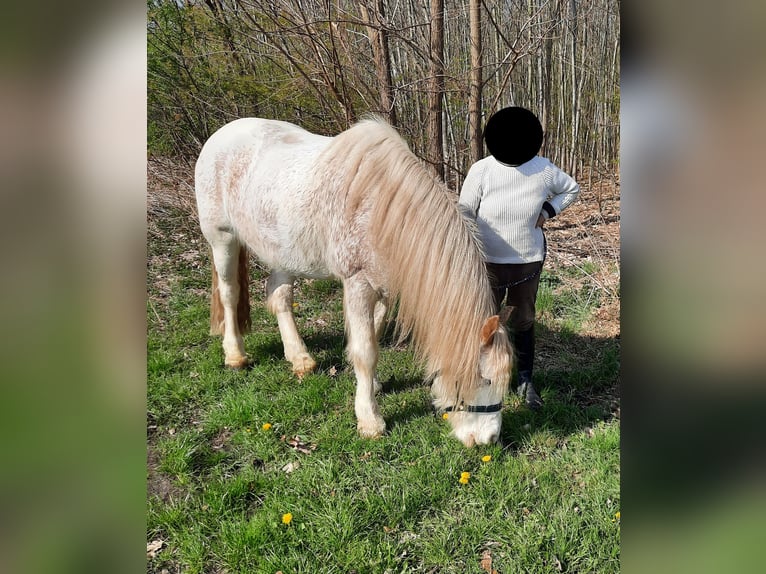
{"x": 220, "y": 484}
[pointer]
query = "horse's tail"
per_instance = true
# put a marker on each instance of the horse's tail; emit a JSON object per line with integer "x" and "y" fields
{"x": 244, "y": 322}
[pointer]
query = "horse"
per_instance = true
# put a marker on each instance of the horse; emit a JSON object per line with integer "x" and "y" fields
{"x": 362, "y": 208}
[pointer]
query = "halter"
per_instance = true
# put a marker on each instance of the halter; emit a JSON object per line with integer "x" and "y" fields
{"x": 462, "y": 407}
{"x": 475, "y": 408}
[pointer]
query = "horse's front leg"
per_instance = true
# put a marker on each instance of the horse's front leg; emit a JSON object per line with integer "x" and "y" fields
{"x": 359, "y": 300}
{"x": 279, "y": 301}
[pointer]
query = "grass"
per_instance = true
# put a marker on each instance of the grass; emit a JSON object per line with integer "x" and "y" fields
{"x": 219, "y": 483}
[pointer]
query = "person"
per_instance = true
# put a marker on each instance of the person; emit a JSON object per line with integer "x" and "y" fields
{"x": 511, "y": 193}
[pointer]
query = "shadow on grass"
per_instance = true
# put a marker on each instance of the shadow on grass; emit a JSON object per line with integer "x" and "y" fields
{"x": 577, "y": 376}
{"x": 405, "y": 413}
{"x": 326, "y": 348}
{"x": 265, "y": 350}
{"x": 396, "y": 384}
{"x": 329, "y": 351}
{"x": 578, "y": 379}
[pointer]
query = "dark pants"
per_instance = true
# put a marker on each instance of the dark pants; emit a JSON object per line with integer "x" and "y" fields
{"x": 517, "y": 284}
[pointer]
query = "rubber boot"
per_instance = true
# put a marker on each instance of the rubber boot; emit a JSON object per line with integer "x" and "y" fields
{"x": 524, "y": 343}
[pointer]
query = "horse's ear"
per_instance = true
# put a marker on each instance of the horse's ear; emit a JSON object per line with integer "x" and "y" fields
{"x": 505, "y": 314}
{"x": 489, "y": 329}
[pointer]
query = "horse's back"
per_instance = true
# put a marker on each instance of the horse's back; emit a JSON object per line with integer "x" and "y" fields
{"x": 254, "y": 176}
{"x": 250, "y": 140}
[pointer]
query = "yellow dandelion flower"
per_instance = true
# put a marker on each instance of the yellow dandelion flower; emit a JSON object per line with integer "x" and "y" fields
{"x": 617, "y": 515}
{"x": 486, "y": 458}
{"x": 287, "y": 518}
{"x": 463, "y": 480}
{"x": 266, "y": 426}
{"x": 445, "y": 416}
{"x": 465, "y": 475}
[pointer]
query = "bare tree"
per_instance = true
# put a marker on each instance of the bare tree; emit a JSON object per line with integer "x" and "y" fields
{"x": 378, "y": 33}
{"x": 474, "y": 97}
{"x": 324, "y": 63}
{"x": 436, "y": 89}
{"x": 575, "y": 87}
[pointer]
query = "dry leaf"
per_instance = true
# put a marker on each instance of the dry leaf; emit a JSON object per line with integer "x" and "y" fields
{"x": 332, "y": 371}
{"x": 153, "y": 547}
{"x": 557, "y": 563}
{"x": 291, "y": 466}
{"x": 486, "y": 561}
{"x": 296, "y": 443}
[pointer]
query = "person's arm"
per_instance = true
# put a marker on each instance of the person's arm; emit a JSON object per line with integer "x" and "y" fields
{"x": 470, "y": 193}
{"x": 563, "y": 191}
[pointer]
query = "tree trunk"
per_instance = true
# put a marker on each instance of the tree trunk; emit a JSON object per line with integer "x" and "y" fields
{"x": 436, "y": 89}
{"x": 474, "y": 97}
{"x": 573, "y": 70}
{"x": 378, "y": 33}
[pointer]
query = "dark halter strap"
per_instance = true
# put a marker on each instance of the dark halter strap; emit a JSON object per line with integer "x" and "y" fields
{"x": 475, "y": 408}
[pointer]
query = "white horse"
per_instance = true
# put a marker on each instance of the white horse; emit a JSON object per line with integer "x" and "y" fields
{"x": 362, "y": 208}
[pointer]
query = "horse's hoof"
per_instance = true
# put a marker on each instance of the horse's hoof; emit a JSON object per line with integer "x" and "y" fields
{"x": 239, "y": 364}
{"x": 303, "y": 365}
{"x": 374, "y": 430}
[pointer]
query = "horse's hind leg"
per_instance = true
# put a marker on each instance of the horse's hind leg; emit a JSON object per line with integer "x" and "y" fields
{"x": 230, "y": 291}
{"x": 279, "y": 300}
{"x": 359, "y": 304}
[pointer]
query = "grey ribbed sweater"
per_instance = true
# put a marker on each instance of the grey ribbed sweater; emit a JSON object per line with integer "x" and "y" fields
{"x": 506, "y": 202}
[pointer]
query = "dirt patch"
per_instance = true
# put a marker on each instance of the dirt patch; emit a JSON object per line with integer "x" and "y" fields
{"x": 605, "y": 321}
{"x": 586, "y": 236}
{"x": 158, "y": 484}
{"x": 221, "y": 440}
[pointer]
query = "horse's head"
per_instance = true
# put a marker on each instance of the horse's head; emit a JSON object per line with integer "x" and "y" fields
{"x": 477, "y": 417}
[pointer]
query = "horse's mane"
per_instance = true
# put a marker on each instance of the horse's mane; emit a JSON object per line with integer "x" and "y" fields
{"x": 431, "y": 251}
